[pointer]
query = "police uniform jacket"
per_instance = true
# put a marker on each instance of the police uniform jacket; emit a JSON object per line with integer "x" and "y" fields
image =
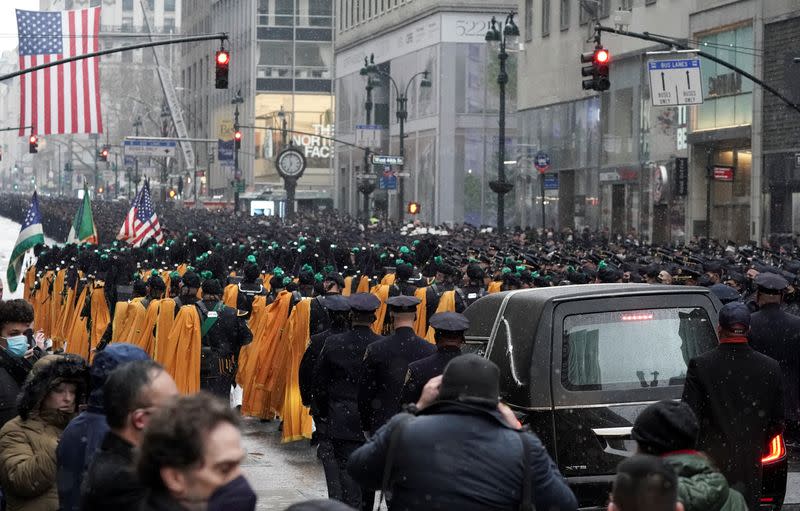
{"x": 737, "y": 395}
{"x": 421, "y": 371}
{"x": 776, "y": 334}
{"x": 383, "y": 374}
{"x": 309, "y": 362}
{"x": 319, "y": 320}
{"x": 337, "y": 377}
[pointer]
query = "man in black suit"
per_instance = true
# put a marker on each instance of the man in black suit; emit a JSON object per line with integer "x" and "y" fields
{"x": 449, "y": 335}
{"x": 336, "y": 379}
{"x": 386, "y": 363}
{"x": 776, "y": 334}
{"x": 737, "y": 395}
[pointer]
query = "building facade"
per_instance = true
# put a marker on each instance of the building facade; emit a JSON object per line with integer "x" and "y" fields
{"x": 726, "y": 168}
{"x": 612, "y": 154}
{"x": 282, "y": 63}
{"x": 451, "y": 128}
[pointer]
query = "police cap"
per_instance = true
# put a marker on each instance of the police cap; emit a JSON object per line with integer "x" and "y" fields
{"x": 364, "y": 302}
{"x": 726, "y": 294}
{"x": 336, "y": 303}
{"x": 403, "y": 303}
{"x": 771, "y": 283}
{"x": 449, "y": 322}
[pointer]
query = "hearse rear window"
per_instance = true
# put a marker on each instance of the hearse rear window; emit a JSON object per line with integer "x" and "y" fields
{"x": 633, "y": 349}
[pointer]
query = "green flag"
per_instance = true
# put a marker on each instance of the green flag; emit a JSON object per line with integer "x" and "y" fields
{"x": 83, "y": 229}
{"x": 30, "y": 235}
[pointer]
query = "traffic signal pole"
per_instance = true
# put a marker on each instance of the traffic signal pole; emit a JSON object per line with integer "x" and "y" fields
{"x": 222, "y": 36}
{"x": 646, "y": 36}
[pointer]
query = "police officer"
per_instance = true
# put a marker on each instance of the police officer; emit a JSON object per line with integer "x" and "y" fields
{"x": 386, "y": 363}
{"x": 336, "y": 378}
{"x": 339, "y": 309}
{"x": 449, "y": 334}
{"x": 776, "y": 334}
{"x": 223, "y": 332}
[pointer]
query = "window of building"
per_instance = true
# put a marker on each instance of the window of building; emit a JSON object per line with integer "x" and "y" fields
{"x": 127, "y": 24}
{"x": 605, "y": 8}
{"x": 320, "y": 12}
{"x": 585, "y": 13}
{"x": 564, "y": 15}
{"x": 545, "y": 18}
{"x": 284, "y": 12}
{"x": 263, "y": 6}
{"x": 169, "y": 25}
{"x": 728, "y": 99}
{"x": 127, "y": 5}
{"x": 95, "y": 3}
{"x": 169, "y": 5}
{"x": 151, "y": 4}
{"x": 649, "y": 2}
{"x": 528, "y": 20}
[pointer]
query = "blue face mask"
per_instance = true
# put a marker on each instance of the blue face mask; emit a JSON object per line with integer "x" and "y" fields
{"x": 17, "y": 345}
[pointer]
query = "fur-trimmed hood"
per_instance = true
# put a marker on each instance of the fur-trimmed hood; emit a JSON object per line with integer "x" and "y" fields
{"x": 47, "y": 372}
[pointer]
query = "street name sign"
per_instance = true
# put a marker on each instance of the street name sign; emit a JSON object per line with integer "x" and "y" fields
{"x": 150, "y": 147}
{"x": 675, "y": 82}
{"x": 369, "y": 135}
{"x": 382, "y": 159}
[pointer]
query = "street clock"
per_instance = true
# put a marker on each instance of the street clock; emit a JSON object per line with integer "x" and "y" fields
{"x": 291, "y": 163}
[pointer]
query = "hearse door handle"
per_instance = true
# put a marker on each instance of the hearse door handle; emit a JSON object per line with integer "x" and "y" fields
{"x": 619, "y": 433}
{"x": 613, "y": 432}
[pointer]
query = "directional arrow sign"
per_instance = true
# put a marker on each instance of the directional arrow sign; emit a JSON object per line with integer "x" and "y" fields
{"x": 150, "y": 147}
{"x": 675, "y": 82}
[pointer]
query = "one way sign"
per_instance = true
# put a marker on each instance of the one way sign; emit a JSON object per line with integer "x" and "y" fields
{"x": 675, "y": 82}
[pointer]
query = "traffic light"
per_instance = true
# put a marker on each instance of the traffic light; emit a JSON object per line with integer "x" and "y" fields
{"x": 102, "y": 155}
{"x": 413, "y": 208}
{"x": 222, "y": 60}
{"x": 237, "y": 140}
{"x": 172, "y": 193}
{"x": 598, "y": 61}
{"x": 33, "y": 144}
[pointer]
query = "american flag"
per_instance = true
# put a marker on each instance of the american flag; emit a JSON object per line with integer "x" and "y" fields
{"x": 64, "y": 98}
{"x": 141, "y": 223}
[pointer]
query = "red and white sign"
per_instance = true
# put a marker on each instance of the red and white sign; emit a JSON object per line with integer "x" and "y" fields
{"x": 723, "y": 173}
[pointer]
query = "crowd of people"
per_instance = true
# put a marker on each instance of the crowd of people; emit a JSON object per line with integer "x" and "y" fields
{"x": 352, "y": 336}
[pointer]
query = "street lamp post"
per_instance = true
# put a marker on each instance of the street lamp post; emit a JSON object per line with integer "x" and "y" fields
{"x": 236, "y": 173}
{"x": 367, "y": 184}
{"x": 165, "y": 118}
{"x": 495, "y": 38}
{"x": 402, "y": 115}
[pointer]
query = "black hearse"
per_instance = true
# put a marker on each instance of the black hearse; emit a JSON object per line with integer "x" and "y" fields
{"x": 578, "y": 364}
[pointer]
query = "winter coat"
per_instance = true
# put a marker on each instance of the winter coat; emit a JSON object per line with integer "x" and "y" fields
{"x": 435, "y": 463}
{"x": 701, "y": 487}
{"x": 737, "y": 418}
{"x": 83, "y": 436}
{"x": 111, "y": 482}
{"x": 12, "y": 375}
{"x": 28, "y": 442}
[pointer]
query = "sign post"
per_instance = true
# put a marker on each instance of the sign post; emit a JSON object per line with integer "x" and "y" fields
{"x": 542, "y": 162}
{"x": 675, "y": 82}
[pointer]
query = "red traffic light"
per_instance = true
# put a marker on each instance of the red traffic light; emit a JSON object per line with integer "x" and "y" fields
{"x": 601, "y": 56}
{"x": 237, "y": 135}
{"x": 104, "y": 152}
{"x": 33, "y": 139}
{"x": 413, "y": 208}
{"x": 223, "y": 58}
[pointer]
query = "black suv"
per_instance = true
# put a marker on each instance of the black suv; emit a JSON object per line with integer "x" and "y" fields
{"x": 578, "y": 364}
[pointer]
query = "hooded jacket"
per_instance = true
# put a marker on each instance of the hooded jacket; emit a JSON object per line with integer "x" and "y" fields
{"x": 700, "y": 486}
{"x": 28, "y": 442}
{"x": 82, "y": 438}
